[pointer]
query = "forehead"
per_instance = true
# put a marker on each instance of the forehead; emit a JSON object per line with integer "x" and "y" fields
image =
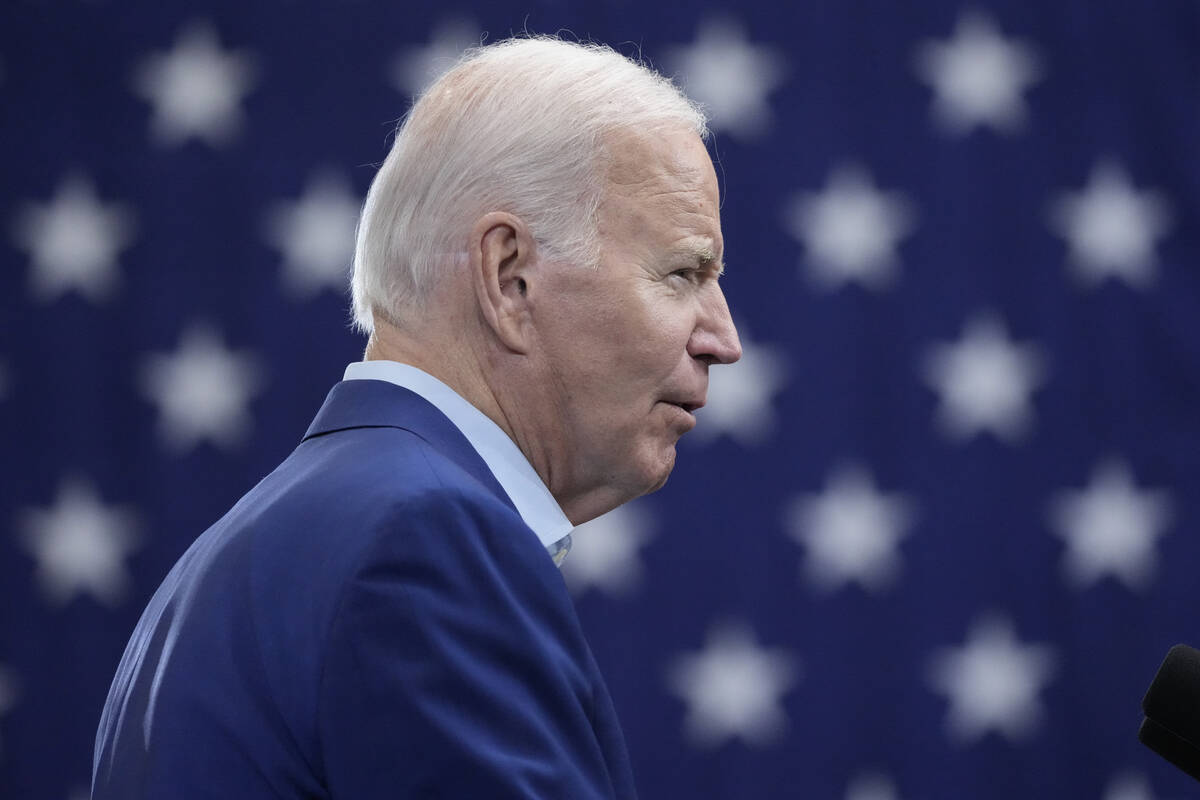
{"x": 663, "y": 183}
{"x": 666, "y": 160}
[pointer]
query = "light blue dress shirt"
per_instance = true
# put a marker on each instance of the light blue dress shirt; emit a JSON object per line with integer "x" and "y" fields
{"x": 507, "y": 463}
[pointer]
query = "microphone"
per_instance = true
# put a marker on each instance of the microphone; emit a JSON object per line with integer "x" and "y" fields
{"x": 1171, "y": 726}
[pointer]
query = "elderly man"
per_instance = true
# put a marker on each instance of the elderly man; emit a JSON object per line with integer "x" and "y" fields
{"x": 537, "y": 266}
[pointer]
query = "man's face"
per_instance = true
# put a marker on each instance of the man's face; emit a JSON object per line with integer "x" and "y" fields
{"x": 628, "y": 345}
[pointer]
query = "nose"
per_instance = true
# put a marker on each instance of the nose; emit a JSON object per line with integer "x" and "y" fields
{"x": 714, "y": 339}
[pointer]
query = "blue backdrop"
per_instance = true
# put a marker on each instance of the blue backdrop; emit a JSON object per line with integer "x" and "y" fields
{"x": 932, "y": 535}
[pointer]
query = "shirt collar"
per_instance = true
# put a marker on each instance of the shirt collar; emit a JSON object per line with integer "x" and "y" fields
{"x": 507, "y": 463}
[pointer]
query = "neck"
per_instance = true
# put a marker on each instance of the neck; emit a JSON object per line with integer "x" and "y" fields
{"x": 446, "y": 356}
{"x": 451, "y": 354}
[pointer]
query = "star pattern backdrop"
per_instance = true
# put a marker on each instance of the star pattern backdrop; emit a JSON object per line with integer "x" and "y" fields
{"x": 934, "y": 531}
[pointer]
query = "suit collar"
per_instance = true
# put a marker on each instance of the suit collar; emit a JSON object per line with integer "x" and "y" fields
{"x": 378, "y": 404}
{"x": 387, "y": 394}
{"x": 507, "y": 463}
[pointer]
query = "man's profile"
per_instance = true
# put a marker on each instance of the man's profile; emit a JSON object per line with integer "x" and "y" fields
{"x": 382, "y": 616}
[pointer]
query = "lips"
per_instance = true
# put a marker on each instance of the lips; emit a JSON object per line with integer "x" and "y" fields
{"x": 688, "y": 405}
{"x": 682, "y": 419}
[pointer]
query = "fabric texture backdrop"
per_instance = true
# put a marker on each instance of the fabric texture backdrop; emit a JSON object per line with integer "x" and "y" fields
{"x": 932, "y": 535}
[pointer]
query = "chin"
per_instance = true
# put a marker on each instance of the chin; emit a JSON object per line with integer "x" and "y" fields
{"x": 658, "y": 470}
{"x": 659, "y": 484}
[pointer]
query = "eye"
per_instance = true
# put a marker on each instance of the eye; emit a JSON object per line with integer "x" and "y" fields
{"x": 690, "y": 274}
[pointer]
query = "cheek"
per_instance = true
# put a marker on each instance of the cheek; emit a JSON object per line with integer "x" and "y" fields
{"x": 617, "y": 358}
{"x": 668, "y": 336}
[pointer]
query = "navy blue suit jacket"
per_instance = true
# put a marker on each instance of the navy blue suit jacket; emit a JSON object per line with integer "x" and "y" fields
{"x": 372, "y": 620}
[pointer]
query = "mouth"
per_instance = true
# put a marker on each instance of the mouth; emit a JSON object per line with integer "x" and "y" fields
{"x": 687, "y": 409}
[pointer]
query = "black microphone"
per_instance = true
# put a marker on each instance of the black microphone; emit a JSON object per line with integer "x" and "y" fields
{"x": 1171, "y": 727}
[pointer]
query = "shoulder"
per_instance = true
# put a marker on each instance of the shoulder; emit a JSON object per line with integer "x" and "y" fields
{"x": 355, "y": 492}
{"x": 414, "y": 516}
{"x": 383, "y": 465}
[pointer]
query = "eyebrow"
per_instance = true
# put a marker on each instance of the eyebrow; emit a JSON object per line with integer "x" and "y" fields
{"x": 706, "y": 257}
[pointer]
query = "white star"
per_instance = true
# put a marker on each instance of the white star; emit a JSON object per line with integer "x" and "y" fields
{"x": 316, "y": 235}
{"x": 73, "y": 242}
{"x": 851, "y": 532}
{"x": 730, "y": 77}
{"x": 196, "y": 88}
{"x": 604, "y": 552}
{"x": 416, "y": 67}
{"x": 202, "y": 391}
{"x": 978, "y": 76}
{"x": 1128, "y": 786}
{"x": 871, "y": 786}
{"x": 1111, "y": 228}
{"x": 733, "y": 688}
{"x": 984, "y": 381}
{"x": 740, "y": 395}
{"x": 1110, "y": 528}
{"x": 81, "y": 545}
{"x": 992, "y": 682}
{"x": 850, "y": 230}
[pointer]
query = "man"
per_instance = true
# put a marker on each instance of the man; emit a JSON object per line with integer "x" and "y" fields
{"x": 537, "y": 265}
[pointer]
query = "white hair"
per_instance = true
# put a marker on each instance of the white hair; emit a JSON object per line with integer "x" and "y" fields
{"x": 518, "y": 126}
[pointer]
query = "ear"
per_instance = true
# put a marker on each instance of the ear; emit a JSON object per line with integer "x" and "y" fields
{"x": 503, "y": 260}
